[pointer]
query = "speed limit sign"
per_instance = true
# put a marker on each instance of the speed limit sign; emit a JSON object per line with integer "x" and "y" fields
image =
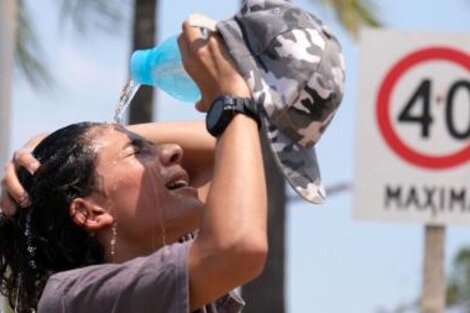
{"x": 413, "y": 133}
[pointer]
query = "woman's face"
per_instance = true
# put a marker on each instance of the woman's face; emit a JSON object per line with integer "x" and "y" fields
{"x": 144, "y": 187}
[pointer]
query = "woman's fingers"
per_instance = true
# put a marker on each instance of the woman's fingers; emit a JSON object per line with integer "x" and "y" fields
{"x": 7, "y": 204}
{"x": 195, "y": 36}
{"x": 13, "y": 193}
{"x": 184, "y": 50}
{"x": 208, "y": 62}
{"x": 12, "y": 187}
{"x": 202, "y": 21}
{"x": 193, "y": 45}
{"x": 23, "y": 157}
{"x": 202, "y": 106}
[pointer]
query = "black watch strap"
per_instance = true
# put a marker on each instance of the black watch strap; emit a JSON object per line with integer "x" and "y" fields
{"x": 224, "y": 108}
{"x": 246, "y": 106}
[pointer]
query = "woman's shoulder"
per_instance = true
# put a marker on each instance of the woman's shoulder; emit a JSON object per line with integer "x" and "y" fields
{"x": 168, "y": 257}
{"x": 158, "y": 281}
{"x": 138, "y": 281}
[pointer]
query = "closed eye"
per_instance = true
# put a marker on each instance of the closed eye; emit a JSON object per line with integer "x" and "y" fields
{"x": 137, "y": 145}
{"x": 141, "y": 145}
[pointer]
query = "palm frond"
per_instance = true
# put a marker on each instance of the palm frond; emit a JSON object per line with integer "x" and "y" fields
{"x": 368, "y": 13}
{"x": 28, "y": 52}
{"x": 92, "y": 14}
{"x": 353, "y": 14}
{"x": 85, "y": 15}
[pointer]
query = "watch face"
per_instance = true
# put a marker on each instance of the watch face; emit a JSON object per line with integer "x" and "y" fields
{"x": 214, "y": 114}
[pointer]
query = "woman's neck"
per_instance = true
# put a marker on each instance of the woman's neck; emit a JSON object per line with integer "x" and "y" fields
{"x": 125, "y": 249}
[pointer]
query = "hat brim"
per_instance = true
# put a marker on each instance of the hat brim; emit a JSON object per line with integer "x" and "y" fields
{"x": 298, "y": 165}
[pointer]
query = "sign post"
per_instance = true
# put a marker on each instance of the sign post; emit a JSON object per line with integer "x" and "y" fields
{"x": 413, "y": 140}
{"x": 433, "y": 288}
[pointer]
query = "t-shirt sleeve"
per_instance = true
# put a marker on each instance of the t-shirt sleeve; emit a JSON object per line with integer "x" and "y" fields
{"x": 156, "y": 283}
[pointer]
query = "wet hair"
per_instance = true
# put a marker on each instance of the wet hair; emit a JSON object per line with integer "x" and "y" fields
{"x": 42, "y": 239}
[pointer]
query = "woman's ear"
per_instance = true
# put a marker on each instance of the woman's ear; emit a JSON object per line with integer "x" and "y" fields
{"x": 88, "y": 214}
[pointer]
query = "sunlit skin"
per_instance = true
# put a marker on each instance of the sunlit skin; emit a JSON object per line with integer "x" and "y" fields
{"x": 135, "y": 179}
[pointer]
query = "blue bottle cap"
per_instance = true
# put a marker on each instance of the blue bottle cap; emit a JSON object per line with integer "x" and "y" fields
{"x": 140, "y": 70}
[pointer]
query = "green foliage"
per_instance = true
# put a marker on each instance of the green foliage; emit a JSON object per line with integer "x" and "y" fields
{"x": 353, "y": 14}
{"x": 458, "y": 287}
{"x": 452, "y": 294}
{"x": 92, "y": 14}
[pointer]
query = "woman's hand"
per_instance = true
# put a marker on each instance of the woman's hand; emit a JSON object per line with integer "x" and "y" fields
{"x": 207, "y": 61}
{"x": 12, "y": 192}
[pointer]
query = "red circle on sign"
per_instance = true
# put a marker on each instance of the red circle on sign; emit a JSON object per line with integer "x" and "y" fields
{"x": 383, "y": 107}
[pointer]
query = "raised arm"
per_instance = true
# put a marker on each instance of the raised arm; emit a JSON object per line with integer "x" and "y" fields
{"x": 232, "y": 244}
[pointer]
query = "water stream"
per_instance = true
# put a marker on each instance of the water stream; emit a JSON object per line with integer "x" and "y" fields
{"x": 127, "y": 94}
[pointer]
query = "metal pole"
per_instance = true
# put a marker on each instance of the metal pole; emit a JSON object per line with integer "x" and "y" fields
{"x": 7, "y": 50}
{"x": 433, "y": 289}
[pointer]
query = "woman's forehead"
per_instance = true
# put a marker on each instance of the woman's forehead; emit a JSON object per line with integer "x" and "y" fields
{"x": 109, "y": 131}
{"x": 109, "y": 138}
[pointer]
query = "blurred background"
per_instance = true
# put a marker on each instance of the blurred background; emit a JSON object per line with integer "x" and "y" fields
{"x": 71, "y": 60}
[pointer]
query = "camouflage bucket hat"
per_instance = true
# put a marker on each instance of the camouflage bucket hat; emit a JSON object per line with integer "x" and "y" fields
{"x": 295, "y": 70}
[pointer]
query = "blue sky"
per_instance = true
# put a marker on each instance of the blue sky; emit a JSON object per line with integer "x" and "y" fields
{"x": 335, "y": 264}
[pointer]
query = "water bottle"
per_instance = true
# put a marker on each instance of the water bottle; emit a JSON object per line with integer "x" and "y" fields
{"x": 162, "y": 67}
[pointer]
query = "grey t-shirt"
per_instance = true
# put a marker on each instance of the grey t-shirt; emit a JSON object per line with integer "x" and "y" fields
{"x": 153, "y": 284}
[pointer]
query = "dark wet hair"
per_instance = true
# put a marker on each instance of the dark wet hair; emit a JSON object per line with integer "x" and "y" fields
{"x": 43, "y": 239}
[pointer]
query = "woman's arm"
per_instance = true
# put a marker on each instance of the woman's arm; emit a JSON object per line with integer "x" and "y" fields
{"x": 232, "y": 244}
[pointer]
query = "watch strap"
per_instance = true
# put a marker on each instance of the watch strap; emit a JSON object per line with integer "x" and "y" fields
{"x": 246, "y": 106}
{"x": 232, "y": 106}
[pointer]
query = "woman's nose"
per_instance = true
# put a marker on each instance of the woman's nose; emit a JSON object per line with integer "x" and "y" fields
{"x": 170, "y": 154}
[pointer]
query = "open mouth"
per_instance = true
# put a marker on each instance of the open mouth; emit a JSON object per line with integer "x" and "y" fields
{"x": 181, "y": 183}
{"x": 180, "y": 180}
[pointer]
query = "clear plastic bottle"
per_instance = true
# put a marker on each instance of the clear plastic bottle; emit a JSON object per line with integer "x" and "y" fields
{"x": 162, "y": 67}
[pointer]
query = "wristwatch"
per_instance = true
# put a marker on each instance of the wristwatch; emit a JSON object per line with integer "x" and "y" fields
{"x": 224, "y": 108}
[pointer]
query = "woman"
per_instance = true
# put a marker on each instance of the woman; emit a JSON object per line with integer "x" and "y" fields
{"x": 108, "y": 208}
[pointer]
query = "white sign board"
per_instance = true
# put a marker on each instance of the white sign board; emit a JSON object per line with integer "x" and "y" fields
{"x": 413, "y": 128}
